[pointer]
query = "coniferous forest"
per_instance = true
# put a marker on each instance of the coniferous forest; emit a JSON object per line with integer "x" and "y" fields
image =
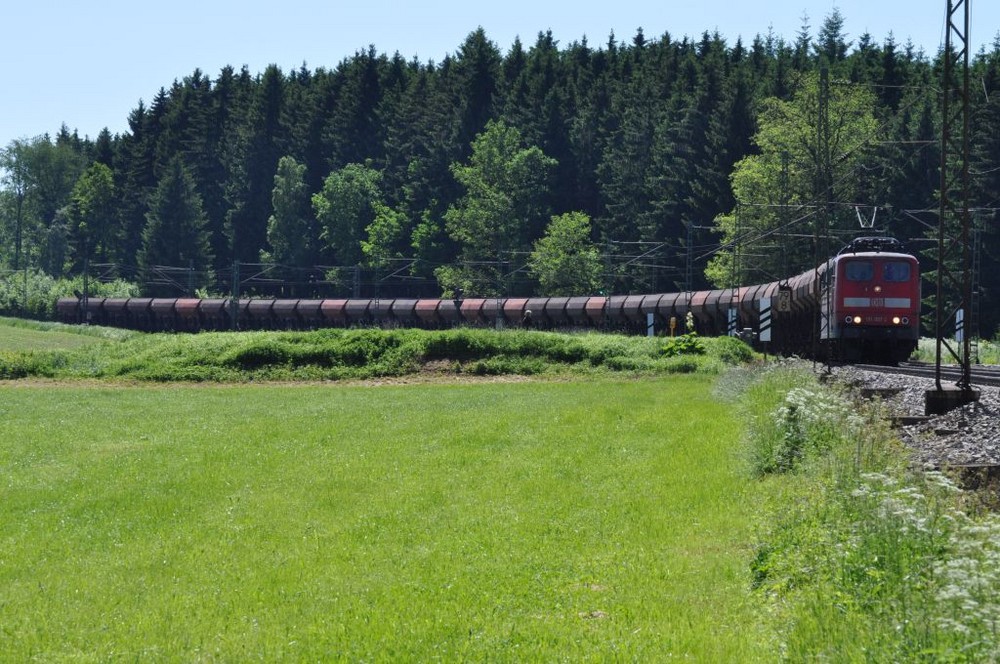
{"x": 640, "y": 165}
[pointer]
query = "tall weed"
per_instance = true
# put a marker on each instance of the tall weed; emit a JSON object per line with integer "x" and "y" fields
{"x": 866, "y": 558}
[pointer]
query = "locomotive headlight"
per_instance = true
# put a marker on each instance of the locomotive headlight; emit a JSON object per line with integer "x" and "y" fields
{"x": 878, "y": 289}
{"x": 848, "y": 320}
{"x": 895, "y": 320}
{"x": 857, "y": 320}
{"x": 906, "y": 321}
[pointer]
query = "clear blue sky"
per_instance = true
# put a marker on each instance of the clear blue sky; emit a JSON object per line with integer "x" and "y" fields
{"x": 87, "y": 64}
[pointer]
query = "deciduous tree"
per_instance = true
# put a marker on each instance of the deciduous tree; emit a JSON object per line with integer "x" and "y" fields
{"x": 496, "y": 219}
{"x": 798, "y": 175}
{"x": 93, "y": 231}
{"x": 345, "y": 208}
{"x": 17, "y": 180}
{"x": 566, "y": 261}
{"x": 290, "y": 228}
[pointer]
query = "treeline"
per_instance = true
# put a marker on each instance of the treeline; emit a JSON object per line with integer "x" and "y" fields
{"x": 547, "y": 167}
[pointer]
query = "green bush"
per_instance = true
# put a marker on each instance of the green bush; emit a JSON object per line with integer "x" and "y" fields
{"x": 505, "y": 366}
{"x": 864, "y": 557}
{"x": 682, "y": 364}
{"x": 555, "y": 347}
{"x": 470, "y": 344}
{"x": 601, "y": 354}
{"x": 809, "y": 421}
{"x": 625, "y": 363}
{"x": 882, "y": 566}
{"x": 792, "y": 418}
{"x": 14, "y": 366}
{"x": 262, "y": 353}
{"x": 404, "y": 357}
{"x": 461, "y": 344}
{"x": 732, "y": 350}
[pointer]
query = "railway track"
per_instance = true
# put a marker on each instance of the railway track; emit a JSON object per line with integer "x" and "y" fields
{"x": 982, "y": 375}
{"x": 964, "y": 440}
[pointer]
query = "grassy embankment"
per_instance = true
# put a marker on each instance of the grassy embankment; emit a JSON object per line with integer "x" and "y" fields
{"x": 335, "y": 354}
{"x": 861, "y": 556}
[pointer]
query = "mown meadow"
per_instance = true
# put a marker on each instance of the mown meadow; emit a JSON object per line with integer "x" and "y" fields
{"x": 540, "y": 520}
{"x": 530, "y": 497}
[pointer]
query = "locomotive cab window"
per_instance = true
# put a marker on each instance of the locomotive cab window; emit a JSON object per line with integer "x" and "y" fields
{"x": 859, "y": 270}
{"x": 896, "y": 271}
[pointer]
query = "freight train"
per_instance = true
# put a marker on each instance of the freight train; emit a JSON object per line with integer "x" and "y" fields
{"x": 862, "y": 304}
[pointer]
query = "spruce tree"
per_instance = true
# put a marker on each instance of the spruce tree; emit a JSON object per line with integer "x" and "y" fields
{"x": 831, "y": 43}
{"x": 136, "y": 173}
{"x": 985, "y": 166}
{"x": 251, "y": 174}
{"x": 175, "y": 233}
{"x": 353, "y": 134}
{"x": 477, "y": 71}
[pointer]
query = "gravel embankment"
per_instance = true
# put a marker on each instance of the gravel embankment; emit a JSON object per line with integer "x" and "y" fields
{"x": 966, "y": 436}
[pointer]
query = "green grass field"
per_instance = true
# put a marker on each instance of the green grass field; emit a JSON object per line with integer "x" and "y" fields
{"x": 508, "y": 521}
{"x": 606, "y": 509}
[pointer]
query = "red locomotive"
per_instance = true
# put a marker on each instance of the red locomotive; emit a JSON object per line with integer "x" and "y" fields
{"x": 861, "y": 305}
{"x": 873, "y": 301}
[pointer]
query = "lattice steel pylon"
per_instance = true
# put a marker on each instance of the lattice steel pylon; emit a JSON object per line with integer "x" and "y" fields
{"x": 954, "y": 268}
